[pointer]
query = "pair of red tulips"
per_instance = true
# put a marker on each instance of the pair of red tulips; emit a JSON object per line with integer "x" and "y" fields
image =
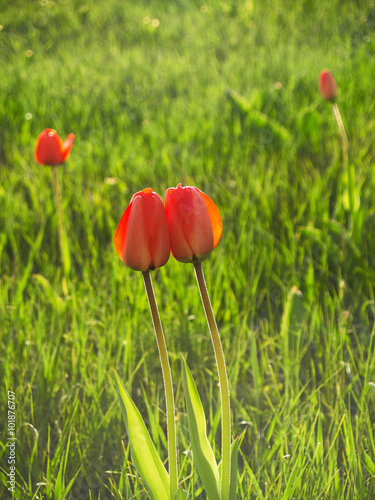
{"x": 189, "y": 226}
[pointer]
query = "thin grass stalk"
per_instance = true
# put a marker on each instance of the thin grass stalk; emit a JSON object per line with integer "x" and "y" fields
{"x": 223, "y": 382}
{"x": 345, "y": 157}
{"x": 168, "y": 385}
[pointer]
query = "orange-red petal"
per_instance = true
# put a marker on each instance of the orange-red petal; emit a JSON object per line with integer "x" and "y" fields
{"x": 215, "y": 218}
{"x": 119, "y": 238}
{"x": 159, "y": 242}
{"x": 180, "y": 248}
{"x": 197, "y": 225}
{"x": 136, "y": 252}
{"x": 67, "y": 146}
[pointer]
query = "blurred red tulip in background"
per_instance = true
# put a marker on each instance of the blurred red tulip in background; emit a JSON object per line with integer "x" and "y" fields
{"x": 50, "y": 149}
{"x": 327, "y": 86}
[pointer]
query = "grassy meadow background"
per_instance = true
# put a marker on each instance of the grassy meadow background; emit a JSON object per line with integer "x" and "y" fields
{"x": 222, "y": 95}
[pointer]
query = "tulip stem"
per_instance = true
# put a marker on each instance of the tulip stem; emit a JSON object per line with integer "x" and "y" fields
{"x": 168, "y": 385}
{"x": 223, "y": 382}
{"x": 345, "y": 157}
{"x": 341, "y": 129}
{"x": 64, "y": 249}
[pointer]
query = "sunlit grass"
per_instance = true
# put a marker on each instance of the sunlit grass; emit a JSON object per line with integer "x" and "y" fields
{"x": 152, "y": 105}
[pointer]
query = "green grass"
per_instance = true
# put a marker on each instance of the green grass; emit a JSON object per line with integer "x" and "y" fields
{"x": 226, "y": 100}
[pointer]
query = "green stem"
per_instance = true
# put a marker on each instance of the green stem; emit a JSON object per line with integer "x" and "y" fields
{"x": 65, "y": 259}
{"x": 223, "y": 382}
{"x": 345, "y": 157}
{"x": 167, "y": 377}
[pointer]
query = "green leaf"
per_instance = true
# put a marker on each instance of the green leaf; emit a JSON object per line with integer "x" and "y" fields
{"x": 310, "y": 124}
{"x": 181, "y": 494}
{"x": 256, "y": 118}
{"x": 144, "y": 454}
{"x": 369, "y": 464}
{"x": 233, "y": 466}
{"x": 50, "y": 292}
{"x": 67, "y": 262}
{"x": 203, "y": 454}
{"x": 59, "y": 485}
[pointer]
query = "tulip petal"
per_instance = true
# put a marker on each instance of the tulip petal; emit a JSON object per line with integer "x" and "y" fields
{"x": 214, "y": 214}
{"x": 136, "y": 253}
{"x": 159, "y": 242}
{"x": 67, "y": 146}
{"x": 119, "y": 238}
{"x": 197, "y": 224}
{"x": 180, "y": 248}
{"x": 49, "y": 148}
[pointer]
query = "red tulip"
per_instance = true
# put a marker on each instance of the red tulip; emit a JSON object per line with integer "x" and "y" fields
{"x": 327, "y": 86}
{"x": 50, "y": 149}
{"x": 194, "y": 223}
{"x": 142, "y": 237}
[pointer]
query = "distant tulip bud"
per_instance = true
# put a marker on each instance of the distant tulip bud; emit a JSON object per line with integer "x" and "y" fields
{"x": 50, "y": 149}
{"x": 327, "y": 86}
{"x": 194, "y": 223}
{"x": 142, "y": 236}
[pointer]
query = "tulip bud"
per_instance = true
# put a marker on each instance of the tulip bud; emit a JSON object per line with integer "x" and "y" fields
{"x": 327, "y": 86}
{"x": 194, "y": 223}
{"x": 50, "y": 149}
{"x": 142, "y": 237}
